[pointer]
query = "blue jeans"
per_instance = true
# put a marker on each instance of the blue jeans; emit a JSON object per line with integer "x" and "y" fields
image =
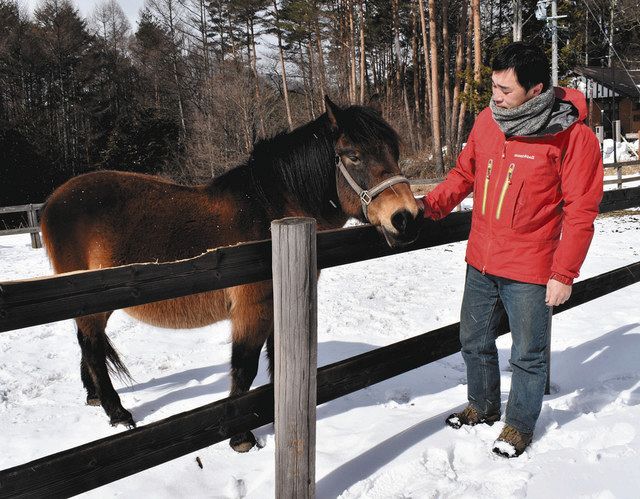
{"x": 486, "y": 299}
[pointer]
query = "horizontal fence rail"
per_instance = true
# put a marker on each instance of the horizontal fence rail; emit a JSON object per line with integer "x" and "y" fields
{"x": 32, "y": 216}
{"x": 622, "y": 180}
{"x": 21, "y": 208}
{"x": 437, "y": 180}
{"x": 38, "y": 301}
{"x": 97, "y": 463}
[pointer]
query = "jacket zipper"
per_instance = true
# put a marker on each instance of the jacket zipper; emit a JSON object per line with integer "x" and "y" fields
{"x": 504, "y": 154}
{"x": 486, "y": 186}
{"x": 505, "y": 187}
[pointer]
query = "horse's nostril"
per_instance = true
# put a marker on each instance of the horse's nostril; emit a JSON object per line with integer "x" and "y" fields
{"x": 400, "y": 220}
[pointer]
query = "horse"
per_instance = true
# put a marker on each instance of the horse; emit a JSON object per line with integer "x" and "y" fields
{"x": 321, "y": 169}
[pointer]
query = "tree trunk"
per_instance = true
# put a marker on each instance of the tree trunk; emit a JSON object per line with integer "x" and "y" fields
{"x": 395, "y": 14}
{"x": 311, "y": 77}
{"x": 427, "y": 79}
{"x": 363, "y": 79}
{"x": 477, "y": 50}
{"x": 174, "y": 65}
{"x": 321, "y": 70}
{"x": 305, "y": 83}
{"x": 353, "y": 62}
{"x": 416, "y": 76}
{"x": 435, "y": 96}
{"x": 453, "y": 125}
{"x": 254, "y": 67}
{"x": 445, "y": 77}
{"x": 285, "y": 90}
{"x": 467, "y": 86}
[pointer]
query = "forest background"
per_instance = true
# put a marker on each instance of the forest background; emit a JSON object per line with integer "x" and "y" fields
{"x": 188, "y": 90}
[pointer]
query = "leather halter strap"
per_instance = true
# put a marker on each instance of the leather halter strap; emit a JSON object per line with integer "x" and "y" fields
{"x": 367, "y": 195}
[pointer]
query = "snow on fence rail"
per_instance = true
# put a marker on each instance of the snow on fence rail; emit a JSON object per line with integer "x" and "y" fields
{"x": 36, "y": 301}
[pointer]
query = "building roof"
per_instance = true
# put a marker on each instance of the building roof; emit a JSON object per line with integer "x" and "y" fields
{"x": 621, "y": 81}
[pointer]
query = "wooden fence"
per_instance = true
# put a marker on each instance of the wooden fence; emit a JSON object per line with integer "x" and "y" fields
{"x": 32, "y": 217}
{"x": 37, "y": 301}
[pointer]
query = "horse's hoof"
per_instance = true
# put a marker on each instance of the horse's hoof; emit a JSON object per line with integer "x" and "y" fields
{"x": 123, "y": 418}
{"x": 93, "y": 401}
{"x": 242, "y": 442}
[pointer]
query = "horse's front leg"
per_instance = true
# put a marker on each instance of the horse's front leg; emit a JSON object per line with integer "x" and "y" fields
{"x": 252, "y": 323}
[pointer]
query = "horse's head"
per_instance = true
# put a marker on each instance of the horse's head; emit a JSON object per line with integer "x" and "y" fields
{"x": 368, "y": 178}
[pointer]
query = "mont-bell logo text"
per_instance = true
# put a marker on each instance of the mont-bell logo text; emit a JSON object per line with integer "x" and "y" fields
{"x": 524, "y": 156}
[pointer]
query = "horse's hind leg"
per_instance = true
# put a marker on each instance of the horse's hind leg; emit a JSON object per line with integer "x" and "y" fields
{"x": 252, "y": 318}
{"x": 96, "y": 351}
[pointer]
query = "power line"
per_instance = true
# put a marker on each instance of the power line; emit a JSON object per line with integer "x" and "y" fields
{"x": 610, "y": 41}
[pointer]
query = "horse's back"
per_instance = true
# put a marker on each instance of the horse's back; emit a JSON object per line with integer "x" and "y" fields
{"x": 105, "y": 219}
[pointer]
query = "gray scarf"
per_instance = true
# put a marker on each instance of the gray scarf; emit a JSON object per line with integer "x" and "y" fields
{"x": 527, "y": 118}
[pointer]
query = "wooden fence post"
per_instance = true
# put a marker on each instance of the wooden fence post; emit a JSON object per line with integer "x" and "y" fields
{"x": 36, "y": 242}
{"x": 295, "y": 329}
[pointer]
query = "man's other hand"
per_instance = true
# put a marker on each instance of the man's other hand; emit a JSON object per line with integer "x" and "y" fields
{"x": 557, "y": 293}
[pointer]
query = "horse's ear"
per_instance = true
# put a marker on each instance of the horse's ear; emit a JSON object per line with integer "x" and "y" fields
{"x": 375, "y": 103}
{"x": 332, "y": 112}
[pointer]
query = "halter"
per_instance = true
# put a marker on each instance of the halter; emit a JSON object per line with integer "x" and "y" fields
{"x": 366, "y": 196}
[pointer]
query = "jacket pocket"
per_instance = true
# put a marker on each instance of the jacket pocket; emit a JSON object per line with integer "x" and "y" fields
{"x": 508, "y": 196}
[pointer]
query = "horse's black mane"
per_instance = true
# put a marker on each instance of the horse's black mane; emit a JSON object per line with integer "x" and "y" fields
{"x": 302, "y": 161}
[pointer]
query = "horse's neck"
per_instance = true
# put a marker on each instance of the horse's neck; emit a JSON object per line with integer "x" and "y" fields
{"x": 299, "y": 182}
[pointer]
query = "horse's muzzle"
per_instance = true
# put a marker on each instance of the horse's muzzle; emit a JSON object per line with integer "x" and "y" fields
{"x": 407, "y": 226}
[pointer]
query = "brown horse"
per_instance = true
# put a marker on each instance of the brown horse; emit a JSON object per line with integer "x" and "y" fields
{"x": 106, "y": 219}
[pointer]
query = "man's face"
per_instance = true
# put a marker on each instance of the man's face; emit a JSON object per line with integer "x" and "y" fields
{"x": 507, "y": 91}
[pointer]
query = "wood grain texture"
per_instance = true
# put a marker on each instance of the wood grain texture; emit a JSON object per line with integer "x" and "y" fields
{"x": 295, "y": 304}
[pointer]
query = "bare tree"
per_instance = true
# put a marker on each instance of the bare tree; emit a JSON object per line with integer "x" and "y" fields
{"x": 169, "y": 13}
{"x": 111, "y": 24}
{"x": 445, "y": 76}
{"x": 363, "y": 55}
{"x": 285, "y": 88}
{"x": 460, "y": 47}
{"x": 477, "y": 50}
{"x": 435, "y": 95}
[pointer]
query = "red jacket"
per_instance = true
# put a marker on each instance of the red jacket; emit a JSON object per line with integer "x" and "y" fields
{"x": 526, "y": 192}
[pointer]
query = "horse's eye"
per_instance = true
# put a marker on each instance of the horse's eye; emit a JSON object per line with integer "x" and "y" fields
{"x": 354, "y": 159}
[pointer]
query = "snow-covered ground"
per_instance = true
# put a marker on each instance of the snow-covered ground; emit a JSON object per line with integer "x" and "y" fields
{"x": 385, "y": 441}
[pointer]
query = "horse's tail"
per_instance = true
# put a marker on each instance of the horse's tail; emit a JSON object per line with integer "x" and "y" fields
{"x": 114, "y": 364}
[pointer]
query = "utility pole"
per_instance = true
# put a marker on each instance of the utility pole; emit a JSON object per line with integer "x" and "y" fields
{"x": 517, "y": 20}
{"x": 554, "y": 43}
{"x": 541, "y": 15}
{"x": 610, "y": 56}
{"x": 613, "y": 88}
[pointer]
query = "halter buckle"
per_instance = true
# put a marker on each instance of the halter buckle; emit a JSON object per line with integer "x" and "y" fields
{"x": 365, "y": 197}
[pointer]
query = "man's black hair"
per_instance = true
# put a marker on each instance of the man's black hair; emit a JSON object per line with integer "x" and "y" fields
{"x": 529, "y": 62}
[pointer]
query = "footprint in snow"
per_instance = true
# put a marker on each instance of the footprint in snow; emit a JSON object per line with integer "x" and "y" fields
{"x": 397, "y": 396}
{"x": 236, "y": 488}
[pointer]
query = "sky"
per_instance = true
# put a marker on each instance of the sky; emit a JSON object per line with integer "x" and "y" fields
{"x": 130, "y": 7}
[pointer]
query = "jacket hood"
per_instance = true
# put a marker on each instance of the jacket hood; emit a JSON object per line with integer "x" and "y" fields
{"x": 575, "y": 98}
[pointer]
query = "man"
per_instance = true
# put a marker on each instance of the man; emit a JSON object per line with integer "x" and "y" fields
{"x": 536, "y": 174}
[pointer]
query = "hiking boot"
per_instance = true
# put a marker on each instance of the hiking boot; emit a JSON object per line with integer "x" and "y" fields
{"x": 511, "y": 442}
{"x": 470, "y": 417}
